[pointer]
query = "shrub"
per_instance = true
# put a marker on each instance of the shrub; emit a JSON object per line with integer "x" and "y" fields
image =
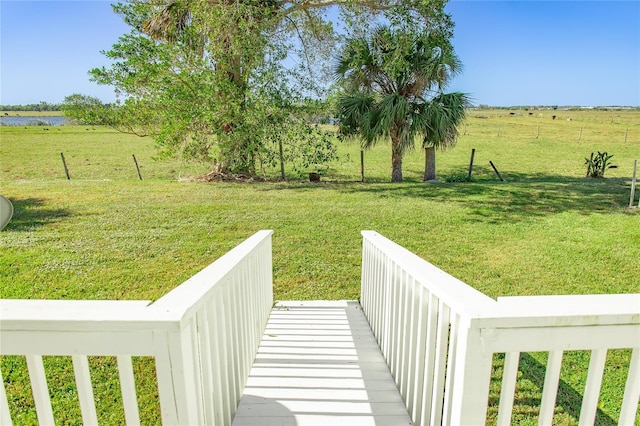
{"x": 597, "y": 165}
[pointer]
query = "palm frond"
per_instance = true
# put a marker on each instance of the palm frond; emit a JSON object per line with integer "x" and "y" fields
{"x": 167, "y": 24}
{"x": 445, "y": 112}
{"x": 405, "y": 70}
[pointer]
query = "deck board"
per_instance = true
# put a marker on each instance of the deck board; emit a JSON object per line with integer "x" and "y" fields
{"x": 319, "y": 364}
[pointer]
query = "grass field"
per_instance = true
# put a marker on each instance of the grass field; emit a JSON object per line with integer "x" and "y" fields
{"x": 547, "y": 229}
{"x": 32, "y": 113}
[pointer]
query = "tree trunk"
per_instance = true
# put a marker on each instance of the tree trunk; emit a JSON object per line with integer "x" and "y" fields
{"x": 396, "y": 156}
{"x": 429, "y": 164}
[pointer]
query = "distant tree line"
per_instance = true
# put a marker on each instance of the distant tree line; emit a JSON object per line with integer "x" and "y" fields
{"x": 42, "y": 106}
{"x": 556, "y": 107}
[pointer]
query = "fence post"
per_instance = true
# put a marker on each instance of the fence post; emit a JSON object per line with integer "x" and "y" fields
{"x": 633, "y": 185}
{"x": 64, "y": 163}
{"x": 137, "y": 168}
{"x": 281, "y": 158}
{"x": 496, "y": 170}
{"x": 473, "y": 152}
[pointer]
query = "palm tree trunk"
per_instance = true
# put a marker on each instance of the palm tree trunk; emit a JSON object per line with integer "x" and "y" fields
{"x": 429, "y": 164}
{"x": 397, "y": 153}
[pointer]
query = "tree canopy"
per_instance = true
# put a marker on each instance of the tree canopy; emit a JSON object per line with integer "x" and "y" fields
{"x": 393, "y": 81}
{"x": 223, "y": 81}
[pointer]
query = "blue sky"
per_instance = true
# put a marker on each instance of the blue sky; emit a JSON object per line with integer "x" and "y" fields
{"x": 515, "y": 52}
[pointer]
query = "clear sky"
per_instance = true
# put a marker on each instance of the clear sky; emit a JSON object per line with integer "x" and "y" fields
{"x": 515, "y": 52}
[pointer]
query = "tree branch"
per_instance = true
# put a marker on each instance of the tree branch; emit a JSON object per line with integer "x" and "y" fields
{"x": 289, "y": 6}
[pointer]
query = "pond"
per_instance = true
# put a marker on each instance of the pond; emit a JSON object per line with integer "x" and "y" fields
{"x": 26, "y": 120}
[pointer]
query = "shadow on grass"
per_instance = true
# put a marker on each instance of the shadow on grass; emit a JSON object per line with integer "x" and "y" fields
{"x": 33, "y": 212}
{"x": 567, "y": 398}
{"x": 523, "y": 196}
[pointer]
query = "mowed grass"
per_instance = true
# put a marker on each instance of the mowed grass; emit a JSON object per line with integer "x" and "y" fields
{"x": 547, "y": 229}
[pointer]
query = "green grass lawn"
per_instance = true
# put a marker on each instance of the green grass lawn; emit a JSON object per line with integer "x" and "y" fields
{"x": 547, "y": 229}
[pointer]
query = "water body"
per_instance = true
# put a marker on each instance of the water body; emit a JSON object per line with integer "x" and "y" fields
{"x": 26, "y": 120}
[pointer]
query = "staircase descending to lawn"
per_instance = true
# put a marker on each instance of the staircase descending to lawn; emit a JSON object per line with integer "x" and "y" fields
{"x": 419, "y": 348}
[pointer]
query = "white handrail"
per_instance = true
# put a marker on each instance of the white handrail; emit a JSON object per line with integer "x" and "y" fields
{"x": 203, "y": 335}
{"x": 439, "y": 336}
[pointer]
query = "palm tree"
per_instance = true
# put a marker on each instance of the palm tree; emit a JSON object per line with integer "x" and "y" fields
{"x": 447, "y": 112}
{"x": 393, "y": 83}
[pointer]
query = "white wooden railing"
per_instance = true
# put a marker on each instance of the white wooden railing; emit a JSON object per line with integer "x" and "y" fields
{"x": 203, "y": 335}
{"x": 439, "y": 337}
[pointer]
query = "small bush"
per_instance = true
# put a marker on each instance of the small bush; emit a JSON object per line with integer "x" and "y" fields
{"x": 598, "y": 164}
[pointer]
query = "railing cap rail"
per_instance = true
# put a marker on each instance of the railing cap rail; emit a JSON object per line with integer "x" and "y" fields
{"x": 187, "y": 296}
{"x": 78, "y": 315}
{"x": 514, "y": 311}
{"x": 565, "y": 310}
{"x": 166, "y": 313}
{"x": 457, "y": 294}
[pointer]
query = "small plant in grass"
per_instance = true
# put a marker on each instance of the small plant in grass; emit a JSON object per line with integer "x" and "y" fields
{"x": 458, "y": 177}
{"x": 598, "y": 164}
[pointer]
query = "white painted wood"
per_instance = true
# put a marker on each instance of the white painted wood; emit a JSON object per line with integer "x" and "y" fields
{"x": 574, "y": 310}
{"x": 629, "y": 409}
{"x": 431, "y": 375}
{"x": 550, "y": 389}
{"x": 69, "y": 342}
{"x": 592, "y": 387}
{"x": 437, "y": 337}
{"x": 234, "y": 345}
{"x": 386, "y": 305}
{"x": 508, "y": 388}
{"x": 5, "y": 414}
{"x": 413, "y": 331}
{"x": 228, "y": 358}
{"x": 470, "y": 392}
{"x": 55, "y": 310}
{"x": 452, "y": 364}
{"x": 417, "y": 372}
{"x": 166, "y": 389}
{"x": 223, "y": 362}
{"x": 533, "y": 339}
{"x": 128, "y": 389}
{"x": 394, "y": 330}
{"x": 206, "y": 368}
{"x": 190, "y": 295}
{"x": 317, "y": 387}
{"x": 189, "y": 348}
{"x": 439, "y": 364}
{"x": 203, "y": 334}
{"x": 85, "y": 390}
{"x": 405, "y": 333}
{"x": 216, "y": 379}
{"x": 510, "y": 324}
{"x": 451, "y": 291}
{"x": 40, "y": 389}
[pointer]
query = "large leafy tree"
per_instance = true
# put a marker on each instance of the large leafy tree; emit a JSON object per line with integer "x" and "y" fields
{"x": 221, "y": 79}
{"x": 393, "y": 81}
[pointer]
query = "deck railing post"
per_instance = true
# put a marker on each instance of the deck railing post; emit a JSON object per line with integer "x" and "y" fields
{"x": 177, "y": 383}
{"x": 471, "y": 370}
